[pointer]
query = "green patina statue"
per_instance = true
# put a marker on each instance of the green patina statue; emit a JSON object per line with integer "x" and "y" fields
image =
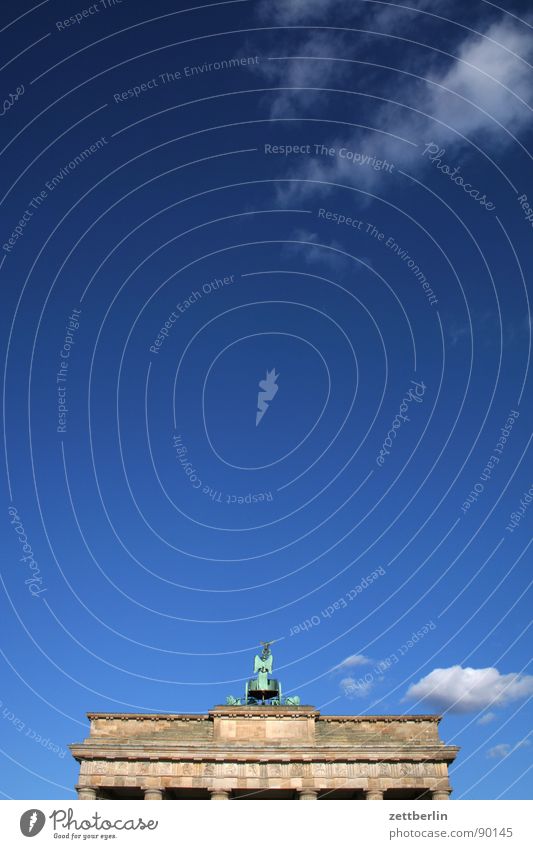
{"x": 263, "y": 689}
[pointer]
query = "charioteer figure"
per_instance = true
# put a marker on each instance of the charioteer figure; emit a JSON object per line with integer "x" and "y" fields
{"x": 263, "y": 689}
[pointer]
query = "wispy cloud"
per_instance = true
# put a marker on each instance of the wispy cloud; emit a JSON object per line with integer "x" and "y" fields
{"x": 315, "y": 251}
{"x": 489, "y": 72}
{"x": 354, "y": 660}
{"x": 502, "y": 750}
{"x": 300, "y": 79}
{"x": 481, "y": 92}
{"x": 486, "y": 328}
{"x": 486, "y": 718}
{"x": 355, "y": 688}
{"x": 287, "y": 12}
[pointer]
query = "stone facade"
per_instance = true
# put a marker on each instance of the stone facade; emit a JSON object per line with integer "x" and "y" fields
{"x": 262, "y": 753}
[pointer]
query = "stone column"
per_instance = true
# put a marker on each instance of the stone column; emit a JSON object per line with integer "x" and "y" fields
{"x": 219, "y": 794}
{"x": 374, "y": 794}
{"x": 153, "y": 794}
{"x": 440, "y": 795}
{"x": 85, "y": 792}
{"x": 307, "y": 794}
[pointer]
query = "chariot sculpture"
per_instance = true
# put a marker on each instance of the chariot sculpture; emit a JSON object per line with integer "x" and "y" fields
{"x": 263, "y": 689}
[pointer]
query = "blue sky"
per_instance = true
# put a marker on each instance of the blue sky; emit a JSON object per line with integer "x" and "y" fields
{"x": 340, "y": 192}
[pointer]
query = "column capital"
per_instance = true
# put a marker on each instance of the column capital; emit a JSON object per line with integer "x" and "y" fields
{"x": 307, "y": 793}
{"x": 219, "y": 794}
{"x": 153, "y": 794}
{"x": 374, "y": 794}
{"x": 85, "y": 791}
{"x": 440, "y": 795}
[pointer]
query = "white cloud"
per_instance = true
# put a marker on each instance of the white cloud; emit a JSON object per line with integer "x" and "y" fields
{"x": 487, "y": 70}
{"x": 286, "y": 12}
{"x": 305, "y": 73}
{"x": 354, "y": 660}
{"x": 323, "y": 44}
{"x": 459, "y": 333}
{"x": 311, "y": 251}
{"x": 502, "y": 750}
{"x": 492, "y": 77}
{"x": 499, "y": 751}
{"x": 356, "y": 688}
{"x": 486, "y": 718}
{"x": 373, "y": 15}
{"x": 460, "y": 690}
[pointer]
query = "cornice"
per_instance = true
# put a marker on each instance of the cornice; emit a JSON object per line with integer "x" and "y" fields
{"x": 372, "y": 752}
{"x": 266, "y": 711}
{"x": 414, "y": 717}
{"x": 151, "y": 717}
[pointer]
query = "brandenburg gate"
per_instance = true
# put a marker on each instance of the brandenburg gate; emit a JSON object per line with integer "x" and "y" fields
{"x": 262, "y": 747}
